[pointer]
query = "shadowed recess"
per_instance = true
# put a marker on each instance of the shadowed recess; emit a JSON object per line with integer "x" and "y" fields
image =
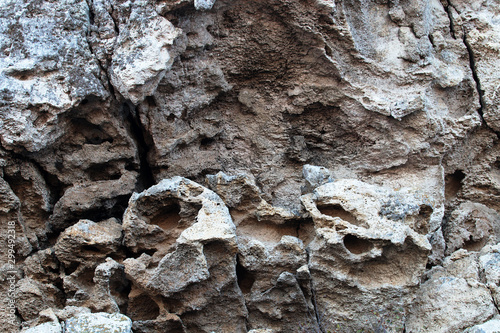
{"x": 357, "y": 245}
{"x": 453, "y": 184}
{"x": 336, "y": 210}
{"x": 245, "y": 278}
{"x": 142, "y": 308}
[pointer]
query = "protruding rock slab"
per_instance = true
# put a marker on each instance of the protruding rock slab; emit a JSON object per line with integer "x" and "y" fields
{"x": 186, "y": 245}
{"x": 453, "y": 297}
{"x": 99, "y": 322}
{"x": 369, "y": 253}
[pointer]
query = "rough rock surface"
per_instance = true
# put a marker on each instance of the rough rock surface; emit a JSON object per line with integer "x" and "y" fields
{"x": 250, "y": 166}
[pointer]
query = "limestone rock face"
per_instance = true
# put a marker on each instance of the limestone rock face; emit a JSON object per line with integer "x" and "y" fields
{"x": 47, "y": 68}
{"x": 185, "y": 244}
{"x": 141, "y": 57}
{"x": 249, "y": 166}
{"x": 452, "y": 297}
{"x": 362, "y": 250}
{"x": 95, "y": 322}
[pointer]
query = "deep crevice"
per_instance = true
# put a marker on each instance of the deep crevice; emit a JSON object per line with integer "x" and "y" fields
{"x": 54, "y": 185}
{"x": 245, "y": 278}
{"x": 110, "y": 87}
{"x": 313, "y": 297}
{"x": 450, "y": 17}
{"x": 115, "y": 24}
{"x": 475, "y": 76}
{"x": 453, "y": 184}
{"x": 472, "y": 64}
{"x": 90, "y": 4}
{"x": 138, "y": 133}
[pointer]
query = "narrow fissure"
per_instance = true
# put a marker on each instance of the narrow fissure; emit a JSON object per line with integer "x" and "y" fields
{"x": 238, "y": 270}
{"x": 475, "y": 76}
{"x": 450, "y": 17}
{"x": 110, "y": 87}
{"x": 116, "y": 26}
{"x": 472, "y": 64}
{"x": 313, "y": 296}
{"x": 146, "y": 177}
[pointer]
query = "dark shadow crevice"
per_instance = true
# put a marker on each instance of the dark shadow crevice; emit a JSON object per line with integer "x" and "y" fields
{"x": 141, "y": 138}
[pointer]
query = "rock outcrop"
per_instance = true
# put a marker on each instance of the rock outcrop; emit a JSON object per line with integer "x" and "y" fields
{"x": 249, "y": 166}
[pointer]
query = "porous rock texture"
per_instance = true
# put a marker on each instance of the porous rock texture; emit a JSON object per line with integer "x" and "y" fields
{"x": 249, "y": 166}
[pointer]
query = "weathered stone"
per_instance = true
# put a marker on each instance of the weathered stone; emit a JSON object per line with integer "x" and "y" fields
{"x": 370, "y": 247}
{"x": 351, "y": 146}
{"x": 489, "y": 263}
{"x": 87, "y": 242}
{"x": 141, "y": 58}
{"x": 50, "y": 327}
{"x": 471, "y": 226}
{"x": 452, "y": 297}
{"x": 476, "y": 24}
{"x": 99, "y": 199}
{"x": 33, "y": 297}
{"x": 46, "y": 64}
{"x": 70, "y": 311}
{"x": 194, "y": 263}
{"x": 491, "y": 326}
{"x": 36, "y": 199}
{"x": 277, "y": 290}
{"x": 315, "y": 176}
{"x": 99, "y": 322}
{"x": 42, "y": 266}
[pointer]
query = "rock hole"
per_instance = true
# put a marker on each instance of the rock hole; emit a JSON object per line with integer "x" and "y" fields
{"x": 328, "y": 51}
{"x": 206, "y": 143}
{"x": 90, "y": 248}
{"x": 93, "y": 134}
{"x": 357, "y": 245}
{"x": 337, "y": 210}
{"x": 142, "y": 307}
{"x": 474, "y": 244}
{"x": 87, "y": 278}
{"x": 71, "y": 268}
{"x": 151, "y": 101}
{"x": 167, "y": 217}
{"x": 99, "y": 172}
{"x": 245, "y": 278}
{"x": 61, "y": 296}
{"x": 266, "y": 231}
{"x": 119, "y": 288}
{"x": 453, "y": 184}
{"x": 422, "y": 222}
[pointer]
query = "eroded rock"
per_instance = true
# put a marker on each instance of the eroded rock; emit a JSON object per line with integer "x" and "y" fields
{"x": 194, "y": 242}
{"x": 452, "y": 297}
{"x": 103, "y": 322}
{"x": 353, "y": 147}
{"x": 370, "y": 243}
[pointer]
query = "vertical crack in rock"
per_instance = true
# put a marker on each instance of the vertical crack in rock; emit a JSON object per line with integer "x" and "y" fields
{"x": 146, "y": 177}
{"x": 107, "y": 84}
{"x": 450, "y": 17}
{"x": 245, "y": 280}
{"x": 472, "y": 62}
{"x": 313, "y": 296}
{"x": 115, "y": 24}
